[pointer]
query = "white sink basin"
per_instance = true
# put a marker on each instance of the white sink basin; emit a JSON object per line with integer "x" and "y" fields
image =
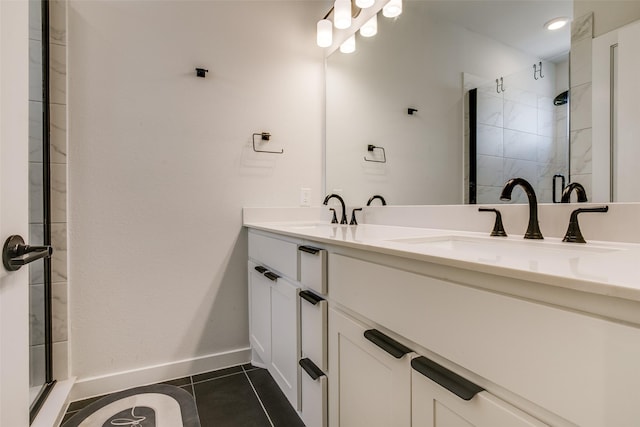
{"x": 497, "y": 249}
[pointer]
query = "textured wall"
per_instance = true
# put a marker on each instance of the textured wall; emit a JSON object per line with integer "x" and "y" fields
{"x": 161, "y": 164}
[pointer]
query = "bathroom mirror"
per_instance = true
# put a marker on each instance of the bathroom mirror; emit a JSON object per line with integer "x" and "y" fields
{"x": 395, "y": 120}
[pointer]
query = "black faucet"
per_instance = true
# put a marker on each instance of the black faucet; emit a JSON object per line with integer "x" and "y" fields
{"x": 377, "y": 196}
{"x": 533, "y": 229}
{"x": 344, "y": 213}
{"x": 573, "y": 234}
{"x": 580, "y": 192}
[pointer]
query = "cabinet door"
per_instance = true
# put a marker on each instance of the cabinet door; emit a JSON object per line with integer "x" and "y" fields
{"x": 368, "y": 386}
{"x": 260, "y": 314}
{"x": 284, "y": 338}
{"x": 433, "y": 405}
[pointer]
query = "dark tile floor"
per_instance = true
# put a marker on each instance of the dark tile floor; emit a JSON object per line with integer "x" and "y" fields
{"x": 235, "y": 397}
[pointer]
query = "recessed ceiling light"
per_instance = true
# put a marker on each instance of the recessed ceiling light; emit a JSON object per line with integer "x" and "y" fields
{"x": 556, "y": 23}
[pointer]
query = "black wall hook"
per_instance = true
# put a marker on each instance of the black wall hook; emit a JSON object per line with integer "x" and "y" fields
{"x": 201, "y": 72}
{"x": 411, "y": 111}
{"x": 537, "y": 72}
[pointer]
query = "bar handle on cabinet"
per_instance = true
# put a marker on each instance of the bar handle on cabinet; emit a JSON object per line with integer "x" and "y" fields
{"x": 387, "y": 343}
{"x": 453, "y": 382}
{"x": 260, "y": 269}
{"x": 271, "y": 276}
{"x": 310, "y": 297}
{"x": 309, "y": 249}
{"x": 310, "y": 368}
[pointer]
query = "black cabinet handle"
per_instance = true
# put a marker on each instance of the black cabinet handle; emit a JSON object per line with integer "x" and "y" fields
{"x": 386, "y": 343}
{"x": 310, "y": 297}
{"x": 453, "y": 382}
{"x": 271, "y": 276}
{"x": 311, "y": 369}
{"x": 260, "y": 269}
{"x": 309, "y": 249}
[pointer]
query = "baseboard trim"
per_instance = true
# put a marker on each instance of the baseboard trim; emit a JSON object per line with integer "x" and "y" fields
{"x": 96, "y": 386}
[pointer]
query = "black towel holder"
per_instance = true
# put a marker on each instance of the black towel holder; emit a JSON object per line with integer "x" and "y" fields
{"x": 264, "y": 136}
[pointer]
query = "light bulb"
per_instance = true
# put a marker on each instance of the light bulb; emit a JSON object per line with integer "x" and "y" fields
{"x": 556, "y": 24}
{"x": 342, "y": 14}
{"x": 363, "y": 4}
{"x": 392, "y": 9}
{"x": 349, "y": 45}
{"x": 370, "y": 28}
{"x": 324, "y": 33}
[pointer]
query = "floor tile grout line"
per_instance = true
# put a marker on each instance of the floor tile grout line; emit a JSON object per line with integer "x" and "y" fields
{"x": 258, "y": 397}
{"x": 216, "y": 378}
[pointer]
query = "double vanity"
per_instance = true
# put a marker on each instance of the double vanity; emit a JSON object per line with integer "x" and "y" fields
{"x": 384, "y": 325}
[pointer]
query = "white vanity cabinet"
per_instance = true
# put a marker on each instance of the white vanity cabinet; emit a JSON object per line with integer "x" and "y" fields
{"x": 370, "y": 381}
{"x": 274, "y": 321}
{"x": 441, "y": 398}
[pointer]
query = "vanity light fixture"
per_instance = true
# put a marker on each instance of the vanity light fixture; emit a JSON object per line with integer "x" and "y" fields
{"x": 324, "y": 33}
{"x": 556, "y": 23}
{"x": 349, "y": 45}
{"x": 370, "y": 28}
{"x": 363, "y": 4}
{"x": 392, "y": 9}
{"x": 342, "y": 14}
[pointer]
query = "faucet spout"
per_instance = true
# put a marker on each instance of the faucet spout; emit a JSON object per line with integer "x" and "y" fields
{"x": 580, "y": 192}
{"x": 377, "y": 196}
{"x": 533, "y": 229}
{"x": 343, "y": 219}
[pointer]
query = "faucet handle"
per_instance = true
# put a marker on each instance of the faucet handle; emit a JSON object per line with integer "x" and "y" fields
{"x": 573, "y": 234}
{"x": 498, "y": 228}
{"x": 353, "y": 216}
{"x": 334, "y": 220}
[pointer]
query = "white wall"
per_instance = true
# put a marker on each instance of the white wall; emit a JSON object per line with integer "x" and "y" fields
{"x": 160, "y": 165}
{"x": 416, "y": 60}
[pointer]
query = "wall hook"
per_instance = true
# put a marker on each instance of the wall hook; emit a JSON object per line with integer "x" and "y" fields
{"x": 201, "y": 72}
{"x": 500, "y": 85}
{"x": 537, "y": 71}
{"x": 411, "y": 111}
{"x": 264, "y": 136}
{"x": 373, "y": 147}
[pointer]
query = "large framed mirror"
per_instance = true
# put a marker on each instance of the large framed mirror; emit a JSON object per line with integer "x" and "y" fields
{"x": 403, "y": 92}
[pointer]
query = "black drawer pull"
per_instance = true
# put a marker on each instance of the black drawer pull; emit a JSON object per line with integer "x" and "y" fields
{"x": 386, "y": 343}
{"x": 310, "y": 297}
{"x": 311, "y": 369}
{"x": 453, "y": 382}
{"x": 271, "y": 276}
{"x": 309, "y": 249}
{"x": 260, "y": 269}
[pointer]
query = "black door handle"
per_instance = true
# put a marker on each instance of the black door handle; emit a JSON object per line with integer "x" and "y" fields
{"x": 271, "y": 276}
{"x": 387, "y": 343}
{"x": 15, "y": 253}
{"x": 311, "y": 369}
{"x": 310, "y": 297}
{"x": 460, "y": 386}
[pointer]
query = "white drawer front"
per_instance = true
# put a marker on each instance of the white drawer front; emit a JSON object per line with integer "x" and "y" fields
{"x": 313, "y": 327}
{"x": 313, "y": 268}
{"x": 574, "y": 365}
{"x": 275, "y": 254}
{"x": 314, "y": 399}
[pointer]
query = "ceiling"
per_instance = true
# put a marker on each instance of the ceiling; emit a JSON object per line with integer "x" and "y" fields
{"x": 517, "y": 23}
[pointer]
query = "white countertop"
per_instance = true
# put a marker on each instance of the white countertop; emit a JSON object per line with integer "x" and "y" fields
{"x": 604, "y": 268}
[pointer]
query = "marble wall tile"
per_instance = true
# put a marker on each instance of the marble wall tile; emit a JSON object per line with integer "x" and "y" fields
{"x": 489, "y": 140}
{"x": 580, "y": 57}
{"x": 35, "y": 131}
{"x": 520, "y": 117}
{"x": 58, "y": 134}
{"x": 58, "y": 22}
{"x": 35, "y": 70}
{"x": 546, "y": 123}
{"x": 36, "y": 365}
{"x": 59, "y": 311}
{"x": 36, "y": 314}
{"x": 581, "y": 107}
{"x": 490, "y": 171}
{"x": 488, "y": 194}
{"x": 519, "y": 145}
{"x": 545, "y": 149}
{"x": 35, "y": 193}
{"x": 35, "y": 20}
{"x": 582, "y": 27}
{"x": 581, "y": 154}
{"x": 36, "y": 269}
{"x": 58, "y": 74}
{"x": 60, "y": 360}
{"x": 521, "y": 96}
{"x": 520, "y": 168}
{"x": 545, "y": 103}
{"x": 58, "y": 193}
{"x": 59, "y": 266}
{"x": 490, "y": 110}
{"x": 586, "y": 181}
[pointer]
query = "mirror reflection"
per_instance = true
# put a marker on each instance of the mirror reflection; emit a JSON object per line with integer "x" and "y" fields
{"x": 397, "y": 121}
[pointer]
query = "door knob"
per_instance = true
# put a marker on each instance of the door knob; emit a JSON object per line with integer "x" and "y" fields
{"x": 15, "y": 253}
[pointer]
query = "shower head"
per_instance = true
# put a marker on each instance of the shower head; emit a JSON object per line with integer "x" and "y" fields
{"x": 561, "y": 99}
